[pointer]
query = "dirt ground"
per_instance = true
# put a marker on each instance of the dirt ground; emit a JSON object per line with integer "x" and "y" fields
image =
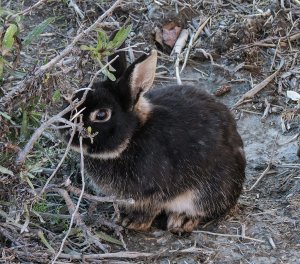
{"x": 242, "y": 44}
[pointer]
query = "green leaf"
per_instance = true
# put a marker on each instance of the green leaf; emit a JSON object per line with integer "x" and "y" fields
{"x": 109, "y": 75}
{"x": 106, "y": 72}
{"x": 45, "y": 242}
{"x": 35, "y": 117}
{"x": 56, "y": 96}
{"x": 24, "y": 126}
{"x": 6, "y": 116}
{"x": 38, "y": 30}
{"x": 30, "y": 175}
{"x": 108, "y": 238}
{"x": 119, "y": 38}
{"x": 9, "y": 37}
{"x": 85, "y": 47}
{"x": 4, "y": 12}
{"x": 1, "y": 68}
{"x": 102, "y": 40}
{"x": 6, "y": 171}
{"x": 17, "y": 18}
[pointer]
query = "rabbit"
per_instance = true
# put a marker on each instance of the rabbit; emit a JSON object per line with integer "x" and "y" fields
{"x": 174, "y": 150}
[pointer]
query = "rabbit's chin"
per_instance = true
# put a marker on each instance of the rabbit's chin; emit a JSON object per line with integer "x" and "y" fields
{"x": 104, "y": 155}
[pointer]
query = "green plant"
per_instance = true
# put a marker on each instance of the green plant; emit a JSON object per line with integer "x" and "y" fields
{"x": 106, "y": 47}
{"x": 36, "y": 31}
{"x": 40, "y": 206}
{"x": 29, "y": 116}
{"x": 10, "y": 43}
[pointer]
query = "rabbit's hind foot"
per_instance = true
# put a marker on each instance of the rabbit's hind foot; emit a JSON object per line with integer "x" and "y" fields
{"x": 181, "y": 223}
{"x": 138, "y": 220}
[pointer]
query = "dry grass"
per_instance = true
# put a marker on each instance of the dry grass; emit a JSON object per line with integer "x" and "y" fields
{"x": 252, "y": 44}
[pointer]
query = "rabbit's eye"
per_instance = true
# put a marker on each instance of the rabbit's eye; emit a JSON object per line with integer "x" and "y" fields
{"x": 101, "y": 115}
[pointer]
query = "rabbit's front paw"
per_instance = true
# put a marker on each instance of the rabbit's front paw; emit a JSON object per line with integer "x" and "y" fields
{"x": 138, "y": 220}
{"x": 181, "y": 223}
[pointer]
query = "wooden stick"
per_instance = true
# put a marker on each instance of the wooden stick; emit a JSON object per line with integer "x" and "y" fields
{"x": 200, "y": 29}
{"x": 75, "y": 210}
{"x": 29, "y": 9}
{"x": 297, "y": 2}
{"x": 180, "y": 42}
{"x": 261, "y": 176}
{"x": 259, "y": 86}
{"x": 228, "y": 235}
{"x": 73, "y": 4}
{"x": 187, "y": 52}
{"x": 270, "y": 163}
{"x": 75, "y": 213}
{"x": 60, "y": 163}
{"x": 179, "y": 45}
{"x": 108, "y": 199}
{"x": 24, "y": 152}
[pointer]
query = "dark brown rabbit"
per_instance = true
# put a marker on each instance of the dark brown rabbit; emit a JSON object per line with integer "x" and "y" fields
{"x": 172, "y": 149}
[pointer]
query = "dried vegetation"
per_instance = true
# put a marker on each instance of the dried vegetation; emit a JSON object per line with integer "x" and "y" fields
{"x": 246, "y": 52}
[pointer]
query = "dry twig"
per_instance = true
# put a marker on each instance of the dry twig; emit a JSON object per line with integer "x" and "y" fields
{"x": 200, "y": 29}
{"x": 24, "y": 152}
{"x": 187, "y": 52}
{"x": 297, "y": 2}
{"x": 29, "y": 9}
{"x": 75, "y": 210}
{"x": 121, "y": 255}
{"x": 179, "y": 45}
{"x": 98, "y": 199}
{"x": 229, "y": 235}
{"x": 259, "y": 86}
{"x": 270, "y": 163}
{"x": 266, "y": 112}
{"x": 73, "y": 4}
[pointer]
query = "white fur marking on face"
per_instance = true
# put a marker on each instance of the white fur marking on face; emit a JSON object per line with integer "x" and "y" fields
{"x": 105, "y": 155}
{"x": 143, "y": 74}
{"x": 183, "y": 203}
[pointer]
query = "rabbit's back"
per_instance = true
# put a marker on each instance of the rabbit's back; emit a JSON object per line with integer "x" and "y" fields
{"x": 192, "y": 122}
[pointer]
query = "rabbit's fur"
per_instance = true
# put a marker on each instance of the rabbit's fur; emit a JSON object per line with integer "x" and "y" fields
{"x": 172, "y": 149}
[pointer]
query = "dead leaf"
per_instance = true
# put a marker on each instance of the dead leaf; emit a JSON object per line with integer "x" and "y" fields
{"x": 158, "y": 36}
{"x": 170, "y": 33}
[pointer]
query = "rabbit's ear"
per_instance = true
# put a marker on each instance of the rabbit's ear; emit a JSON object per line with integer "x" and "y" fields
{"x": 120, "y": 63}
{"x": 143, "y": 74}
{"x": 137, "y": 79}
